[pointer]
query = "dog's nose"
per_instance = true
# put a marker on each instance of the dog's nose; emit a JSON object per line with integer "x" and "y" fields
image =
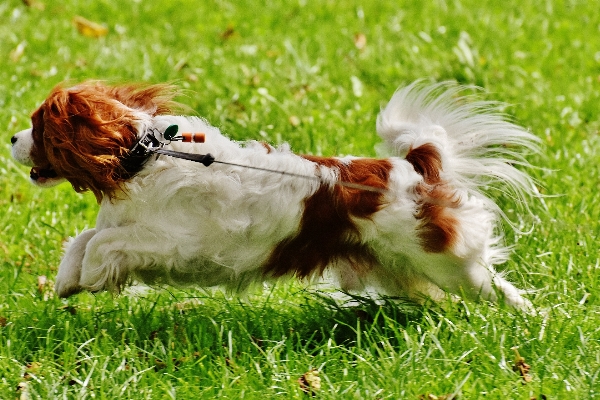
{"x": 13, "y": 139}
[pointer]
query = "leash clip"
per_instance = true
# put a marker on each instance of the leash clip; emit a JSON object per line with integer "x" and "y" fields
{"x": 146, "y": 144}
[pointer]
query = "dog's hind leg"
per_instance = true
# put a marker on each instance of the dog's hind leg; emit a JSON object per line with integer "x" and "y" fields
{"x": 69, "y": 271}
{"x": 474, "y": 280}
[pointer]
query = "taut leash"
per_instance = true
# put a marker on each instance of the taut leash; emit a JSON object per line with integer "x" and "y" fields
{"x": 149, "y": 144}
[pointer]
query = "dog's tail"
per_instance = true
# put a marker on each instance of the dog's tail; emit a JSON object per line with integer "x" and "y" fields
{"x": 463, "y": 141}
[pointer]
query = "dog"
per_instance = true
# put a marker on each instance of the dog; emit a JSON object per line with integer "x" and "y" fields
{"x": 415, "y": 224}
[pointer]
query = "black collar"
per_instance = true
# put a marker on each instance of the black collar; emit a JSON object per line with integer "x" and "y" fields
{"x": 140, "y": 153}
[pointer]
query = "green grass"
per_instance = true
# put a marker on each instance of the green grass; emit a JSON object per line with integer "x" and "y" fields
{"x": 248, "y": 67}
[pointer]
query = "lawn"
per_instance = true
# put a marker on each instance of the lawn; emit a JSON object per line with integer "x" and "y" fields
{"x": 313, "y": 74}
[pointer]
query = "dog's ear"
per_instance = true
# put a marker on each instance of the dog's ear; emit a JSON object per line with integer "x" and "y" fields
{"x": 38, "y": 151}
{"x": 86, "y": 132}
{"x": 151, "y": 99}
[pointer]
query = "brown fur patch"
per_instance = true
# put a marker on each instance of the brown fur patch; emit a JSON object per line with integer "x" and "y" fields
{"x": 437, "y": 230}
{"x": 83, "y": 132}
{"x": 327, "y": 233}
{"x": 427, "y": 161}
{"x": 267, "y": 147}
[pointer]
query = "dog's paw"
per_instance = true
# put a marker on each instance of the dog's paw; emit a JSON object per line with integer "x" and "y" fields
{"x": 66, "y": 287}
{"x": 67, "y": 279}
{"x": 520, "y": 303}
{"x": 69, "y": 271}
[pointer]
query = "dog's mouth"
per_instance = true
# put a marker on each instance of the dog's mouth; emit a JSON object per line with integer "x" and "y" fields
{"x": 43, "y": 175}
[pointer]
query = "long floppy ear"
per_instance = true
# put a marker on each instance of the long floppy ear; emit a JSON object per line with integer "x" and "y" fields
{"x": 89, "y": 128}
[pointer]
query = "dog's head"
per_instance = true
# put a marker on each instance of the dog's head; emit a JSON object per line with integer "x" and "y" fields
{"x": 82, "y": 134}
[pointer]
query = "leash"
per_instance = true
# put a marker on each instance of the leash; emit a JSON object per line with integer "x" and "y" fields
{"x": 149, "y": 144}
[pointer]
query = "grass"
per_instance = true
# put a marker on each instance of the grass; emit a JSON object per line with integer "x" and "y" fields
{"x": 298, "y": 72}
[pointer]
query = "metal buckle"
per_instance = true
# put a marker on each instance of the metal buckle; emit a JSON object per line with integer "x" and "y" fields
{"x": 145, "y": 144}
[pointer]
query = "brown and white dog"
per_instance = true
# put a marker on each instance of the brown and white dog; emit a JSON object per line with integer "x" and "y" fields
{"x": 408, "y": 225}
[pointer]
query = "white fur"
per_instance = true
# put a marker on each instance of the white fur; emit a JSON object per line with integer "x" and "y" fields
{"x": 21, "y": 151}
{"x": 183, "y": 223}
{"x": 479, "y": 144}
{"x": 21, "y": 148}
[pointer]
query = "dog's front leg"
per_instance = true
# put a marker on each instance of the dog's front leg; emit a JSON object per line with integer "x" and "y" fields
{"x": 115, "y": 253}
{"x": 69, "y": 271}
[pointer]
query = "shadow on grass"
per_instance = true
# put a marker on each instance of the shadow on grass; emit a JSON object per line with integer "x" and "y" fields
{"x": 205, "y": 322}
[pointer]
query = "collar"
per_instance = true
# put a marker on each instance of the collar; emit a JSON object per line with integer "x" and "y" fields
{"x": 140, "y": 153}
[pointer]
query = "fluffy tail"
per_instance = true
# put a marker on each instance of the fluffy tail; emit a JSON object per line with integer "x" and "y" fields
{"x": 478, "y": 146}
